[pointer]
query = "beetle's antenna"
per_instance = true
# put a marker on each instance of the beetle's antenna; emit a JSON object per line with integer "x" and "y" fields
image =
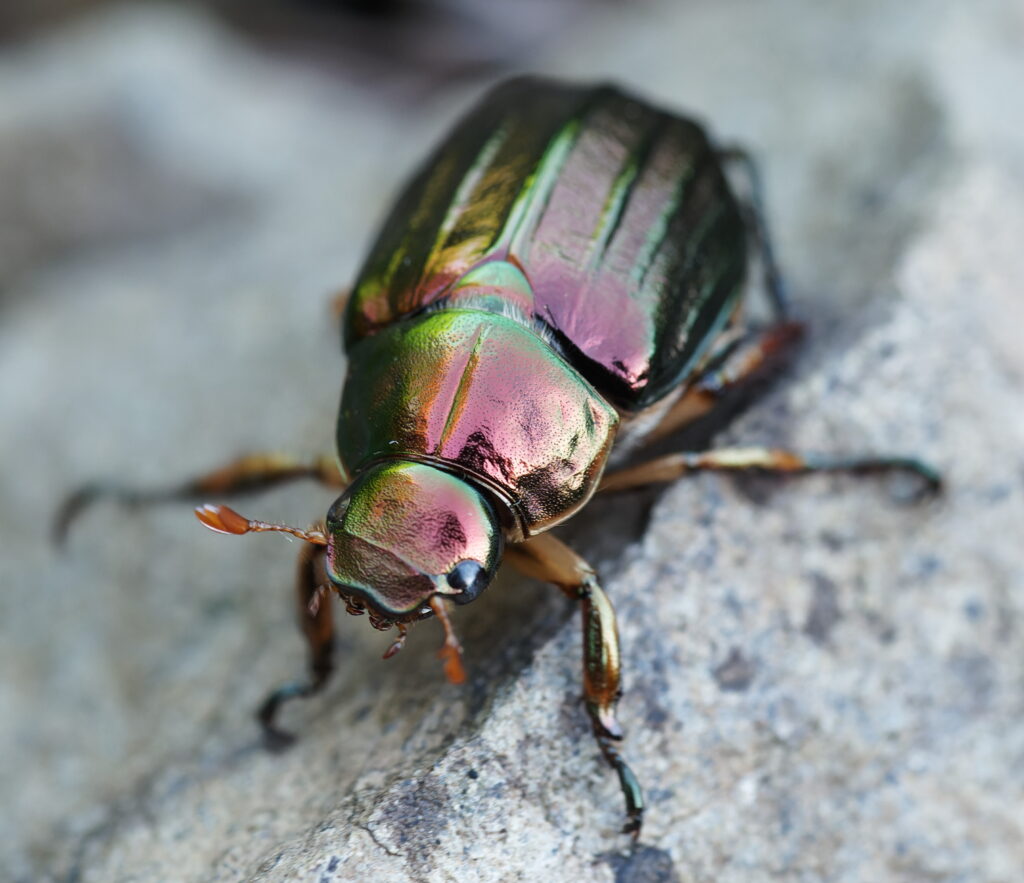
{"x": 451, "y": 651}
{"x": 224, "y": 519}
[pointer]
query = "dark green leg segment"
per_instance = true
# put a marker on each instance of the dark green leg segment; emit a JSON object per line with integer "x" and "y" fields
{"x": 628, "y": 782}
{"x": 547, "y": 558}
{"x": 317, "y": 623}
{"x": 928, "y": 474}
{"x": 248, "y": 474}
{"x": 758, "y": 226}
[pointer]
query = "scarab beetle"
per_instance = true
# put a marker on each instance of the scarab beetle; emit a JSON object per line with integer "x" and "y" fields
{"x": 564, "y": 273}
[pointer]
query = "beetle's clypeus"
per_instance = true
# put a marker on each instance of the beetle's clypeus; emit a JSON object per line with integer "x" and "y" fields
{"x": 564, "y": 273}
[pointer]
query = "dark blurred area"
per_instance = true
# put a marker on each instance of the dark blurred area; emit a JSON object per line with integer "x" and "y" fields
{"x": 387, "y": 41}
{"x": 76, "y": 177}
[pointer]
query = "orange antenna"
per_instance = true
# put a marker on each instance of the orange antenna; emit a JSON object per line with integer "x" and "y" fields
{"x": 451, "y": 651}
{"x": 224, "y": 519}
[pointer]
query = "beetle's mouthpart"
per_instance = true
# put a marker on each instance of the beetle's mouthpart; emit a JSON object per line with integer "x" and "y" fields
{"x": 353, "y": 606}
{"x": 451, "y": 650}
{"x": 399, "y": 642}
{"x": 224, "y": 519}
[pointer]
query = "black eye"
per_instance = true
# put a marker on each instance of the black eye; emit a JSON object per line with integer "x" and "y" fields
{"x": 469, "y": 578}
{"x": 337, "y": 511}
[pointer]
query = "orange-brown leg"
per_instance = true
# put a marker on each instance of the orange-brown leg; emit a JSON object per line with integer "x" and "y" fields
{"x": 753, "y": 357}
{"x": 244, "y": 475}
{"x": 746, "y": 361}
{"x": 316, "y": 620}
{"x": 765, "y": 460}
{"x": 546, "y": 558}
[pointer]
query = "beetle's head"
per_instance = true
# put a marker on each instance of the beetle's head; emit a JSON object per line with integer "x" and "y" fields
{"x": 404, "y": 533}
{"x": 400, "y": 541}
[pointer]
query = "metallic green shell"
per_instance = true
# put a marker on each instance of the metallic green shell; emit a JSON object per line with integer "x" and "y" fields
{"x": 617, "y": 213}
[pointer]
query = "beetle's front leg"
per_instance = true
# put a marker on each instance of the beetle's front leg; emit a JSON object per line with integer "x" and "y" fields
{"x": 316, "y": 620}
{"x": 547, "y": 558}
{"x": 247, "y": 474}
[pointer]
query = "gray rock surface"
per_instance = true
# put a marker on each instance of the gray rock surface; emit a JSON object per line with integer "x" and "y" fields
{"x": 821, "y": 684}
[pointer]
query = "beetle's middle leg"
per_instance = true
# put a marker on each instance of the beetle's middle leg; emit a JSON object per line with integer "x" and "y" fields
{"x": 546, "y": 558}
{"x": 247, "y": 474}
{"x": 316, "y": 620}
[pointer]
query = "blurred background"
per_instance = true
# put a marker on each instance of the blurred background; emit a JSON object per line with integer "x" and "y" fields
{"x": 184, "y": 186}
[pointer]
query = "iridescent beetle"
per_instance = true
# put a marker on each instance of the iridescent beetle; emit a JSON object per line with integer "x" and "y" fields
{"x": 563, "y": 273}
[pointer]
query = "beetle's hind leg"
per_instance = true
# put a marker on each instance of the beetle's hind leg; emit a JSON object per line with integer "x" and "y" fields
{"x": 743, "y": 364}
{"x": 247, "y": 474}
{"x": 316, "y": 620}
{"x": 764, "y": 460}
{"x": 757, "y": 224}
{"x": 748, "y": 360}
{"x": 755, "y": 356}
{"x": 547, "y": 558}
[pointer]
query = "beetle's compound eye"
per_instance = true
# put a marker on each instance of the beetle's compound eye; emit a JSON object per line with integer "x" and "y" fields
{"x": 337, "y": 511}
{"x": 470, "y": 578}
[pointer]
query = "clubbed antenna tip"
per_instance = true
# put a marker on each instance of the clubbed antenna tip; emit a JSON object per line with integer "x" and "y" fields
{"x": 224, "y": 519}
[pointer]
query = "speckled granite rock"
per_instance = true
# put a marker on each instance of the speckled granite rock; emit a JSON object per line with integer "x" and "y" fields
{"x": 821, "y": 684}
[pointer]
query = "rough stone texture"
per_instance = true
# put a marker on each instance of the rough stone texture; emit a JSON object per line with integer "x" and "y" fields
{"x": 821, "y": 684}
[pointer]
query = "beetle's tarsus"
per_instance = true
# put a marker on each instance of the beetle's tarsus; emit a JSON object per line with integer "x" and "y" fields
{"x": 278, "y": 741}
{"x": 275, "y": 738}
{"x": 631, "y": 790}
{"x": 931, "y": 478}
{"x": 68, "y": 512}
{"x": 928, "y": 479}
{"x": 75, "y": 504}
